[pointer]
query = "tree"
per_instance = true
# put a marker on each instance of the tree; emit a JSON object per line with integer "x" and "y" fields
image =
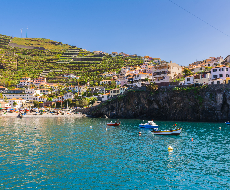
{"x": 92, "y": 100}
{"x": 15, "y": 103}
{"x": 36, "y": 103}
{"x": 187, "y": 72}
{"x": 5, "y": 99}
{"x": 81, "y": 103}
{"x": 49, "y": 99}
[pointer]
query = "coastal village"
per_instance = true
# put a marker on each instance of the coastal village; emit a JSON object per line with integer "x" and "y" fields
{"x": 41, "y": 73}
{"x": 37, "y": 92}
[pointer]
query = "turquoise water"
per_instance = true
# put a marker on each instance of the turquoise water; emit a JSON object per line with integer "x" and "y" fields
{"x": 71, "y": 153}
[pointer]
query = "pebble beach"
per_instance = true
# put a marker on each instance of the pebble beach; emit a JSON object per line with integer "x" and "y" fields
{"x": 34, "y": 115}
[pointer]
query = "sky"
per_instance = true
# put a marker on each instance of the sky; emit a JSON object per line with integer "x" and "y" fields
{"x": 181, "y": 31}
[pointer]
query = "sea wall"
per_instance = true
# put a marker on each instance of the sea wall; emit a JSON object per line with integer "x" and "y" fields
{"x": 203, "y": 103}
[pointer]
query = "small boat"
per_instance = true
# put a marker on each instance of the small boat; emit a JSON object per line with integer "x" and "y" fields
{"x": 227, "y": 123}
{"x": 149, "y": 125}
{"x": 167, "y": 132}
{"x": 113, "y": 124}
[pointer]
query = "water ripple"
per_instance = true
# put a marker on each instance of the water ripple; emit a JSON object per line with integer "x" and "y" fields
{"x": 67, "y": 153}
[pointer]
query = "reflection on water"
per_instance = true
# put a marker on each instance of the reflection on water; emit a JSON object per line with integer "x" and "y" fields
{"x": 66, "y": 153}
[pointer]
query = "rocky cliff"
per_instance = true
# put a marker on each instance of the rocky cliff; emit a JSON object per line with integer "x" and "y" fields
{"x": 205, "y": 103}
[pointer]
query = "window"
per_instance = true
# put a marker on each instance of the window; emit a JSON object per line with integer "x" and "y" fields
{"x": 221, "y": 75}
{"x": 227, "y": 75}
{"x": 214, "y": 70}
{"x": 214, "y": 76}
{"x": 188, "y": 79}
{"x": 219, "y": 69}
{"x": 218, "y": 82}
{"x": 222, "y": 69}
{"x": 226, "y": 69}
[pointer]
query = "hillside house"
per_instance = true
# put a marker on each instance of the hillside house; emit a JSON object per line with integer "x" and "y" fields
{"x": 114, "y": 54}
{"x": 68, "y": 95}
{"x": 220, "y": 72}
{"x": 123, "y": 89}
{"x": 16, "y": 102}
{"x": 103, "y": 97}
{"x": 114, "y": 92}
{"x": 40, "y": 80}
{"x": 25, "y": 82}
{"x": 189, "y": 80}
{"x": 4, "y": 105}
{"x": 166, "y": 72}
{"x": 217, "y": 81}
{"x": 105, "y": 82}
{"x": 45, "y": 91}
{"x": 2, "y": 88}
{"x": 202, "y": 78}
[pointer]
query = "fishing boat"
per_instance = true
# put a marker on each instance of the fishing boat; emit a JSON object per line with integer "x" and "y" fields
{"x": 227, "y": 123}
{"x": 150, "y": 125}
{"x": 113, "y": 124}
{"x": 168, "y": 132}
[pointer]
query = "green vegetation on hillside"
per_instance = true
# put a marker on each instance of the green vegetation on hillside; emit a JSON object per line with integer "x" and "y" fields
{"x": 41, "y": 42}
{"x": 56, "y": 60}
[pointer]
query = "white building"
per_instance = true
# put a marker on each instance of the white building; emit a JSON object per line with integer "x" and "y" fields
{"x": 68, "y": 95}
{"x": 103, "y": 97}
{"x": 16, "y": 103}
{"x": 217, "y": 81}
{"x": 220, "y": 72}
{"x": 189, "y": 80}
{"x": 166, "y": 72}
{"x": 202, "y": 78}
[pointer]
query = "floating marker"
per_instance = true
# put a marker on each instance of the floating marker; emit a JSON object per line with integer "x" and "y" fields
{"x": 90, "y": 126}
{"x": 219, "y": 127}
{"x": 192, "y": 139}
{"x": 139, "y": 132}
{"x": 170, "y": 148}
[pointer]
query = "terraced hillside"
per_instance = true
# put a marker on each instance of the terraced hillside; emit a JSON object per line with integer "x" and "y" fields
{"x": 44, "y": 57}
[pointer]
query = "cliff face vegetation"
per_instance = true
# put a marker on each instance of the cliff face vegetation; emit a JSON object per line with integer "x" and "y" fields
{"x": 203, "y": 103}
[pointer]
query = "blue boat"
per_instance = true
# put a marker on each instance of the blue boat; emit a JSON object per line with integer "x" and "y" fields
{"x": 149, "y": 125}
{"x": 228, "y": 123}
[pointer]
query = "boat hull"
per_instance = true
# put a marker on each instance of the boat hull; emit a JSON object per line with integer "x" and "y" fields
{"x": 113, "y": 124}
{"x": 168, "y": 132}
{"x": 147, "y": 126}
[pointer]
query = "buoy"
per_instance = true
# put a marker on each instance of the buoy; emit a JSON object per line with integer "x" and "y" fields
{"x": 219, "y": 127}
{"x": 192, "y": 139}
{"x": 35, "y": 127}
{"x": 139, "y": 132}
{"x": 106, "y": 129}
{"x": 170, "y": 148}
{"x": 90, "y": 126}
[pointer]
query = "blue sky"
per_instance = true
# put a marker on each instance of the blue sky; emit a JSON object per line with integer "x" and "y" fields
{"x": 157, "y": 28}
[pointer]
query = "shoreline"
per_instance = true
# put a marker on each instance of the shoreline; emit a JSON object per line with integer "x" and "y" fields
{"x": 47, "y": 115}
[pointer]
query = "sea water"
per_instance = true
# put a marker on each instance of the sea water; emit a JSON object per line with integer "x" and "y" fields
{"x": 85, "y": 153}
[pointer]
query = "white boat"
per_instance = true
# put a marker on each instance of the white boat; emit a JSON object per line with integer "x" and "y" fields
{"x": 150, "y": 125}
{"x": 167, "y": 132}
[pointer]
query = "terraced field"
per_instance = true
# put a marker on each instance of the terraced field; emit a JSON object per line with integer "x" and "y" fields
{"x": 53, "y": 59}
